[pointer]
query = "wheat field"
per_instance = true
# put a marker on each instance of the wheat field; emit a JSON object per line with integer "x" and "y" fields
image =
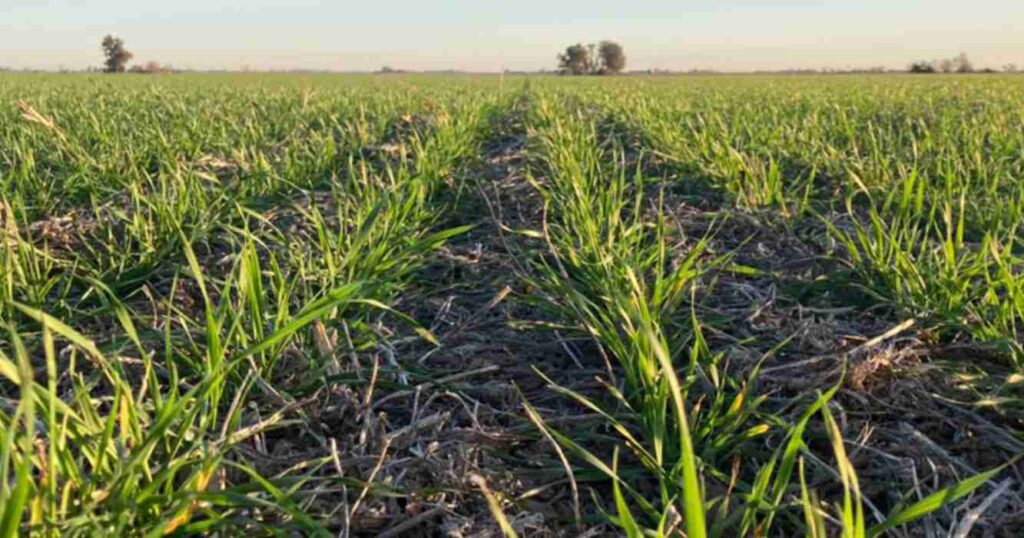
{"x": 412, "y": 305}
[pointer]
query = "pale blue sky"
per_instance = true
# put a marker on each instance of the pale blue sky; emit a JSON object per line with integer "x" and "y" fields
{"x": 517, "y": 34}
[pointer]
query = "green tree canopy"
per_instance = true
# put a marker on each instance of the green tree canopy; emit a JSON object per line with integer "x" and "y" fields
{"x": 116, "y": 55}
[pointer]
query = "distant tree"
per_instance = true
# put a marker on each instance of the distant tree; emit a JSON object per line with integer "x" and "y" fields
{"x": 116, "y": 55}
{"x": 922, "y": 67}
{"x": 613, "y": 58}
{"x": 1010, "y": 68}
{"x": 963, "y": 63}
{"x": 575, "y": 60}
{"x": 605, "y": 58}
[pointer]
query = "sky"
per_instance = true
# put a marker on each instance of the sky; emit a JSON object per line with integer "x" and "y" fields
{"x": 487, "y": 35}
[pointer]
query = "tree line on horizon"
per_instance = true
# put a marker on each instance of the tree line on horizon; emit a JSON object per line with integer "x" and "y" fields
{"x": 603, "y": 58}
{"x": 957, "y": 64}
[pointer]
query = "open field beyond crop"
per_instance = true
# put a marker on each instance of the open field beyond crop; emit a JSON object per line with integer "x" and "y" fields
{"x": 473, "y": 306}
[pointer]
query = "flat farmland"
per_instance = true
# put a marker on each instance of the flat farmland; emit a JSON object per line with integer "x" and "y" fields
{"x": 425, "y": 305}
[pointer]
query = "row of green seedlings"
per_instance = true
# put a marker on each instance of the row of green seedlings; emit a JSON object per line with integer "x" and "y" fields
{"x": 133, "y": 435}
{"x": 123, "y": 230}
{"x": 692, "y": 442}
{"x": 123, "y": 186}
{"x": 92, "y": 143}
{"x": 929, "y": 176}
